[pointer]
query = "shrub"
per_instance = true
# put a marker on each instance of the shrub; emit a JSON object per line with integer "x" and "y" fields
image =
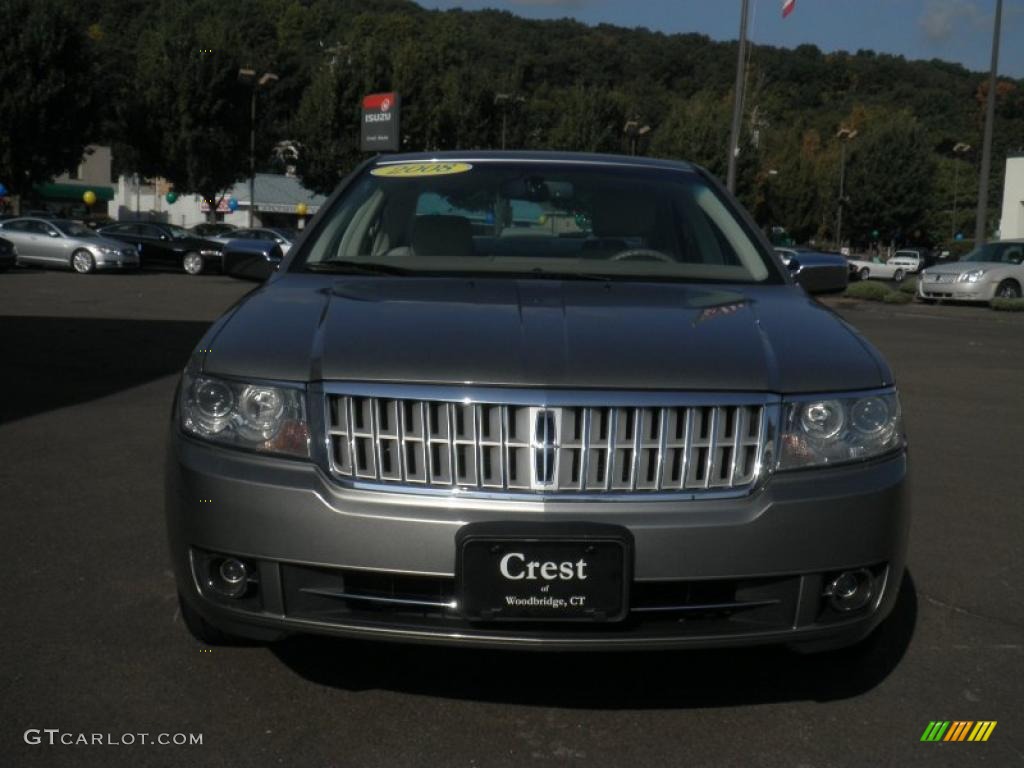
{"x": 868, "y": 290}
{"x": 1008, "y": 305}
{"x": 909, "y": 285}
{"x": 898, "y": 297}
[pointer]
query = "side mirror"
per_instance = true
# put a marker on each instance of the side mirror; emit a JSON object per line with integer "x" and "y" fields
{"x": 51, "y": 233}
{"x": 251, "y": 259}
{"x": 824, "y": 273}
{"x": 163, "y": 237}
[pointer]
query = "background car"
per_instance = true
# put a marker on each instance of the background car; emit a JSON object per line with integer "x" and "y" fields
{"x": 989, "y": 271}
{"x": 283, "y": 236}
{"x": 64, "y": 243}
{"x": 878, "y": 269}
{"x": 211, "y": 229}
{"x": 167, "y": 245}
{"x": 7, "y": 259}
{"x": 252, "y": 259}
{"x": 913, "y": 260}
{"x": 817, "y": 271}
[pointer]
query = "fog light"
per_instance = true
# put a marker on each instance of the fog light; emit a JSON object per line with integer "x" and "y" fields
{"x": 850, "y": 590}
{"x": 230, "y": 578}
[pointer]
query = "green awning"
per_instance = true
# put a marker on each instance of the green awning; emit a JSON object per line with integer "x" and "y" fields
{"x": 74, "y": 192}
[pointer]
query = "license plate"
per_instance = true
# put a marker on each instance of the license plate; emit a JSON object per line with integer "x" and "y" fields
{"x": 554, "y": 572}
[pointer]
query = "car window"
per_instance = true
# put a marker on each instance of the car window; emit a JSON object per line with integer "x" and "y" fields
{"x": 16, "y": 226}
{"x": 1014, "y": 254}
{"x": 537, "y": 218}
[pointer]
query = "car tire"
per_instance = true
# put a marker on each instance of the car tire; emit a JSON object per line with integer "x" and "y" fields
{"x": 1008, "y": 289}
{"x": 864, "y": 273}
{"x": 201, "y": 629}
{"x": 898, "y": 276}
{"x": 192, "y": 263}
{"x": 82, "y": 262}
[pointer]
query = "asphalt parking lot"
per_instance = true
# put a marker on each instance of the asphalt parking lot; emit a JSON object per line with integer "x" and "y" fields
{"x": 92, "y": 641}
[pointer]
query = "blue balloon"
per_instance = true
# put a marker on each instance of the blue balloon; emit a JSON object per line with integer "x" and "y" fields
{"x": 3, "y": 191}
{"x": 232, "y": 204}
{"x": 959, "y": 235}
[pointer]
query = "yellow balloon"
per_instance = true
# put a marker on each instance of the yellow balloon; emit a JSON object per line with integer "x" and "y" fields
{"x": 301, "y": 209}
{"x": 89, "y": 197}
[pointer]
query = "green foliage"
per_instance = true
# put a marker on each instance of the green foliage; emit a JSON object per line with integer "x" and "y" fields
{"x": 1008, "y": 305}
{"x": 897, "y": 297}
{"x": 47, "y": 115}
{"x": 909, "y": 286}
{"x": 868, "y": 290}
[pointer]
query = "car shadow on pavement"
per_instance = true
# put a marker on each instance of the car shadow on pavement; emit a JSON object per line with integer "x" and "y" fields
{"x": 623, "y": 680}
{"x": 53, "y": 362}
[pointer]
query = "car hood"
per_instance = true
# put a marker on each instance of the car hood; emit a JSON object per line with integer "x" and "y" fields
{"x": 105, "y": 242}
{"x": 541, "y": 333}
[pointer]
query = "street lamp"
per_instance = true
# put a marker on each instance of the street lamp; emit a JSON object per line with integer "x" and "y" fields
{"x": 247, "y": 75}
{"x": 505, "y": 99}
{"x": 958, "y": 149}
{"x": 634, "y": 131}
{"x": 844, "y": 135}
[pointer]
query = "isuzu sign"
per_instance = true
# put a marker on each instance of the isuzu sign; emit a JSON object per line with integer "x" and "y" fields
{"x": 380, "y": 123}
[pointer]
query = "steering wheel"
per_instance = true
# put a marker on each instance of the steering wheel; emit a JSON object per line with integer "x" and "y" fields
{"x": 642, "y": 254}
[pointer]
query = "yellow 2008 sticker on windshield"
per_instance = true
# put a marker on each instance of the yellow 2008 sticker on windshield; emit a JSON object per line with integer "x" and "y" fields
{"x": 417, "y": 170}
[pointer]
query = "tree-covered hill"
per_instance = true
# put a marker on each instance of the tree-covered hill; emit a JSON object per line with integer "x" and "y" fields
{"x": 164, "y": 75}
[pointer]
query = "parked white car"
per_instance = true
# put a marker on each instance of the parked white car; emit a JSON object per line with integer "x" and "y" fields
{"x": 878, "y": 269}
{"x": 911, "y": 262}
{"x": 989, "y": 271}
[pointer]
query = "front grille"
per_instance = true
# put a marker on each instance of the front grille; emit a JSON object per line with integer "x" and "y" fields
{"x": 522, "y": 448}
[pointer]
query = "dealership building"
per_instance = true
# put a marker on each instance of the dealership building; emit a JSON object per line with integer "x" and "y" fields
{"x": 1011, "y": 226}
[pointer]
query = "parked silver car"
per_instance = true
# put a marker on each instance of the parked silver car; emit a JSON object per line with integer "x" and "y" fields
{"x": 64, "y": 243}
{"x": 991, "y": 270}
{"x": 536, "y": 400}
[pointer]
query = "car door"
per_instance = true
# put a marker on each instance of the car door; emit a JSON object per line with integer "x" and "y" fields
{"x": 54, "y": 246}
{"x": 17, "y": 231}
{"x": 157, "y": 247}
{"x": 126, "y": 233}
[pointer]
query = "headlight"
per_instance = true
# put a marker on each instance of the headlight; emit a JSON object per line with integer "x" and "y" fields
{"x": 260, "y": 417}
{"x": 971, "y": 277}
{"x": 834, "y": 430}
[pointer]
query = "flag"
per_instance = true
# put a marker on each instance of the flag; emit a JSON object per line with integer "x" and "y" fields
{"x": 787, "y": 7}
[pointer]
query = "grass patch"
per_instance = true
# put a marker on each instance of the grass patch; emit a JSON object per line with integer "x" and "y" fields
{"x": 867, "y": 290}
{"x": 1008, "y": 305}
{"x": 898, "y": 297}
{"x": 909, "y": 285}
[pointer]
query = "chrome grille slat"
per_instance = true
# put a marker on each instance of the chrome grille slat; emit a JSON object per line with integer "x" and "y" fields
{"x": 493, "y": 447}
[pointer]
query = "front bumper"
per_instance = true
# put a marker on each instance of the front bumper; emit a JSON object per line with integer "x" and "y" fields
{"x": 979, "y": 291}
{"x": 118, "y": 261}
{"x": 300, "y": 528}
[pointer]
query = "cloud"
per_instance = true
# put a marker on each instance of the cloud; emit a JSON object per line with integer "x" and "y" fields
{"x": 941, "y": 18}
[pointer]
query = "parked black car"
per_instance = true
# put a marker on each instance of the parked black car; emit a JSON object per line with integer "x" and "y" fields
{"x": 7, "y": 259}
{"x": 167, "y": 245}
{"x": 212, "y": 229}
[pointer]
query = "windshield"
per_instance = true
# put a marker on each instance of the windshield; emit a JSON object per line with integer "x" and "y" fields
{"x": 73, "y": 229}
{"x": 536, "y": 219}
{"x": 999, "y": 253}
{"x": 906, "y": 255}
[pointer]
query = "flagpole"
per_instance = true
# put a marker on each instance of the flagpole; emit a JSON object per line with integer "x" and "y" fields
{"x": 981, "y": 223}
{"x": 737, "y": 107}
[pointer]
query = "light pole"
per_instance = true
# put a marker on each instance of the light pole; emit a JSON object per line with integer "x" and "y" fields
{"x": 247, "y": 75}
{"x": 737, "y": 106}
{"x": 504, "y": 99}
{"x": 844, "y": 135}
{"x": 958, "y": 149}
{"x": 981, "y": 225}
{"x": 634, "y": 131}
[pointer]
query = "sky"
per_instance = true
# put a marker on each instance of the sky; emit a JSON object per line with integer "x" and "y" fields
{"x": 953, "y": 30}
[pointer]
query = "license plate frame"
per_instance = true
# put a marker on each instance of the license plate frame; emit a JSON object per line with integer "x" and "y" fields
{"x": 539, "y": 594}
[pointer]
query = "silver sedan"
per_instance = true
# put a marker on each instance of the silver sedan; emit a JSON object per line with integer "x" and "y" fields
{"x": 63, "y": 243}
{"x": 993, "y": 270}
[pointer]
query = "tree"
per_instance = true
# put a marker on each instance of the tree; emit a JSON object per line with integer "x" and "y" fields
{"x": 889, "y": 180}
{"x": 189, "y": 115}
{"x": 46, "y": 94}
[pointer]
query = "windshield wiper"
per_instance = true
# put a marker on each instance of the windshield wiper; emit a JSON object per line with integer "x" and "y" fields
{"x": 543, "y": 273}
{"x": 358, "y": 268}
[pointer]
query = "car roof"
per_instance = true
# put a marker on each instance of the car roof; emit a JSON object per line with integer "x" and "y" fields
{"x": 506, "y": 156}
